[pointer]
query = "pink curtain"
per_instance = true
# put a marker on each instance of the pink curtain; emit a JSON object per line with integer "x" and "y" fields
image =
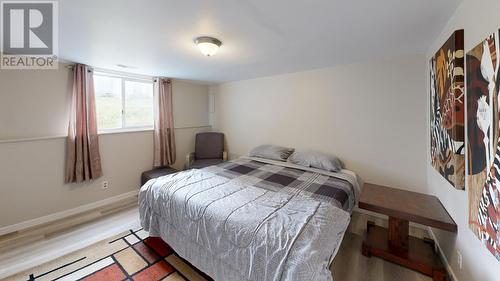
{"x": 164, "y": 139}
{"x": 83, "y": 160}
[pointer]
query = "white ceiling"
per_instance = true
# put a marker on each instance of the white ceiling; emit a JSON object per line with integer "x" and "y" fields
{"x": 260, "y": 37}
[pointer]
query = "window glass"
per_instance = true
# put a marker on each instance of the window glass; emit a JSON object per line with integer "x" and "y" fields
{"x": 123, "y": 103}
{"x": 108, "y": 95}
{"x": 138, "y": 104}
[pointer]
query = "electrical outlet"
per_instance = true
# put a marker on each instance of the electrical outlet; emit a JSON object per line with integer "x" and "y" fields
{"x": 105, "y": 185}
{"x": 459, "y": 259}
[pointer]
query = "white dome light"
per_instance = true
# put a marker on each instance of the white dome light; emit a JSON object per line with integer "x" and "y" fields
{"x": 208, "y": 45}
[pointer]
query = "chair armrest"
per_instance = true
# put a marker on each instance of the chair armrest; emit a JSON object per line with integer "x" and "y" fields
{"x": 189, "y": 160}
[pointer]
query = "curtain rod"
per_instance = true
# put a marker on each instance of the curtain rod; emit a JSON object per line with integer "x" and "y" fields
{"x": 120, "y": 74}
{"x": 72, "y": 66}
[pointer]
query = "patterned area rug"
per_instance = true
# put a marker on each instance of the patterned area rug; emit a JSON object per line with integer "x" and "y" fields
{"x": 130, "y": 256}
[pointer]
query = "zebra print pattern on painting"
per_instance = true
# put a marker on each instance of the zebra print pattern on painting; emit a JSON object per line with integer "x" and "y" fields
{"x": 483, "y": 177}
{"x": 487, "y": 221}
{"x": 448, "y": 111}
{"x": 443, "y": 141}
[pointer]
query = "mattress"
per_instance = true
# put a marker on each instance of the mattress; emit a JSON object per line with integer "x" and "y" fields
{"x": 252, "y": 219}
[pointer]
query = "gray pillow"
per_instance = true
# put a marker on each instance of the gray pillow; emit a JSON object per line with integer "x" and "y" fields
{"x": 316, "y": 160}
{"x": 272, "y": 152}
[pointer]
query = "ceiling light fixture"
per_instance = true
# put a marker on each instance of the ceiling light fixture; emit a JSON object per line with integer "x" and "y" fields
{"x": 208, "y": 45}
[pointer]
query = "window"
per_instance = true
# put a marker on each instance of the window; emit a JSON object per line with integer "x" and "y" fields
{"x": 123, "y": 103}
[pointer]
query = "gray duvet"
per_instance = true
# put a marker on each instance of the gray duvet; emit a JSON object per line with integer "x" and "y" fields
{"x": 233, "y": 228}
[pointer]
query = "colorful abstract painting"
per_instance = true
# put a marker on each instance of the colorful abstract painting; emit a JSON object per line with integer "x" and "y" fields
{"x": 483, "y": 81}
{"x": 448, "y": 110}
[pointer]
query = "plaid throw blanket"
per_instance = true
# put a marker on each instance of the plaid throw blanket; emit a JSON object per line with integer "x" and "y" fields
{"x": 336, "y": 191}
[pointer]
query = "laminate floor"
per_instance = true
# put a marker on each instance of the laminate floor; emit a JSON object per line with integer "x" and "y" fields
{"x": 351, "y": 265}
{"x": 348, "y": 265}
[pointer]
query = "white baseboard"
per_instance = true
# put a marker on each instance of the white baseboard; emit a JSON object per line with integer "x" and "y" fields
{"x": 67, "y": 213}
{"x": 443, "y": 257}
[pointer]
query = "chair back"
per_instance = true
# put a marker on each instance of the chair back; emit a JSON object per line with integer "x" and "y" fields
{"x": 209, "y": 145}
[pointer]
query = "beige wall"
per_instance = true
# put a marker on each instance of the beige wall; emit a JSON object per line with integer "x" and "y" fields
{"x": 371, "y": 115}
{"x": 34, "y": 104}
{"x": 190, "y": 103}
{"x": 190, "y": 106}
{"x": 478, "y": 18}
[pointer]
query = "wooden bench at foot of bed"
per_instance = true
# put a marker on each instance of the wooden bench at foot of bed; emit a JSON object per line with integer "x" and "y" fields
{"x": 394, "y": 243}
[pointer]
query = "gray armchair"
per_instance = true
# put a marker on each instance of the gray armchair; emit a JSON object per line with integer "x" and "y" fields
{"x": 209, "y": 150}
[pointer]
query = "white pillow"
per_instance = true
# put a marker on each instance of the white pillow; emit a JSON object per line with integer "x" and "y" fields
{"x": 317, "y": 160}
{"x": 272, "y": 152}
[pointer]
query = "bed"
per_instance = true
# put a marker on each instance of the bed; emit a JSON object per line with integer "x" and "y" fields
{"x": 252, "y": 218}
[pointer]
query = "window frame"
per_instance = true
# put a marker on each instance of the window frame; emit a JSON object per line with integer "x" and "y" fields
{"x": 131, "y": 78}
